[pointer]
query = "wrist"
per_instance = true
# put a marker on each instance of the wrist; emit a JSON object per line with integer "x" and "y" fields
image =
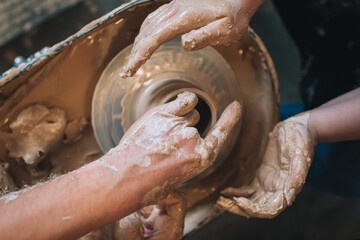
{"x": 120, "y": 188}
{"x": 312, "y": 127}
{"x": 135, "y": 172}
{"x": 306, "y": 120}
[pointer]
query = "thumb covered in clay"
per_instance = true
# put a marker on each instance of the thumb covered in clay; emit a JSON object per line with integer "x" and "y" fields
{"x": 211, "y": 145}
{"x": 220, "y": 132}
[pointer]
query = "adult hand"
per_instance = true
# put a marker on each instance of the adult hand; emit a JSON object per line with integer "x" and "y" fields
{"x": 167, "y": 147}
{"x": 281, "y": 175}
{"x": 203, "y": 23}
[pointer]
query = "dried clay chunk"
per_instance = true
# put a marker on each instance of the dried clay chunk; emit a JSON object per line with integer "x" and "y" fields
{"x": 74, "y": 129}
{"x": 35, "y": 132}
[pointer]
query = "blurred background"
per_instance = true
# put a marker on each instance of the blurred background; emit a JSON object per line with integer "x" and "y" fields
{"x": 313, "y": 66}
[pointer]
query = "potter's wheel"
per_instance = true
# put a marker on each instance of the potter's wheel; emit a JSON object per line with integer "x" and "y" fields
{"x": 73, "y": 67}
{"x": 118, "y": 102}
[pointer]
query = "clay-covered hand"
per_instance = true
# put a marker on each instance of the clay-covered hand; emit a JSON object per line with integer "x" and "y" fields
{"x": 281, "y": 175}
{"x": 167, "y": 147}
{"x": 156, "y": 222}
{"x": 203, "y": 23}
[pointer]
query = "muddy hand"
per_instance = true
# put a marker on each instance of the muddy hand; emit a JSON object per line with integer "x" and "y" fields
{"x": 281, "y": 175}
{"x": 169, "y": 149}
{"x": 156, "y": 222}
{"x": 203, "y": 23}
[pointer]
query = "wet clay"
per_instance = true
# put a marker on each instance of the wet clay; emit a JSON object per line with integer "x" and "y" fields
{"x": 164, "y": 220}
{"x": 65, "y": 77}
{"x": 281, "y": 175}
{"x": 34, "y": 133}
{"x": 72, "y": 72}
{"x": 168, "y": 131}
{"x": 217, "y": 23}
{"x": 129, "y": 228}
{"x": 74, "y": 129}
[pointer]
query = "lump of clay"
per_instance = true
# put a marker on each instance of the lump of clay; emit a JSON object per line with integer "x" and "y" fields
{"x": 74, "y": 129}
{"x": 35, "y": 132}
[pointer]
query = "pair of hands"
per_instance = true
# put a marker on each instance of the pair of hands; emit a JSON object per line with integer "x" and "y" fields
{"x": 288, "y": 154}
{"x": 169, "y": 138}
{"x": 168, "y": 151}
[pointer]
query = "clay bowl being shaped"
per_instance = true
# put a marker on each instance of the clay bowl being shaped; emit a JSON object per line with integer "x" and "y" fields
{"x": 81, "y": 76}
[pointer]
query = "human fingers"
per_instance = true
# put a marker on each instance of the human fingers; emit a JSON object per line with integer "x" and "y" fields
{"x": 219, "y": 32}
{"x": 161, "y": 29}
{"x": 296, "y": 179}
{"x": 231, "y": 206}
{"x": 299, "y": 157}
{"x": 183, "y": 104}
{"x": 269, "y": 208}
{"x": 159, "y": 15}
{"x": 192, "y": 118}
{"x": 219, "y": 133}
{"x": 244, "y": 191}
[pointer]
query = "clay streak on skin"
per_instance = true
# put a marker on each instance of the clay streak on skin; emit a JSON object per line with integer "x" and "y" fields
{"x": 14, "y": 195}
{"x": 10, "y": 197}
{"x": 201, "y": 151}
{"x": 221, "y": 136}
{"x": 302, "y": 119}
{"x": 108, "y": 165}
{"x": 143, "y": 162}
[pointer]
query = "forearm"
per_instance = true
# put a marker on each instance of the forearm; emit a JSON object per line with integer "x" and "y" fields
{"x": 337, "y": 120}
{"x": 158, "y": 152}
{"x": 74, "y": 204}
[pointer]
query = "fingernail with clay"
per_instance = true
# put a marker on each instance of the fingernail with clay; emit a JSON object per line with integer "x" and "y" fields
{"x": 125, "y": 73}
{"x": 235, "y": 112}
{"x": 189, "y": 44}
{"x": 186, "y": 94}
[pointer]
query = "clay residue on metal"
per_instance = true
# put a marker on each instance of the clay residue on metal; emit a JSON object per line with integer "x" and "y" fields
{"x": 34, "y": 133}
{"x": 74, "y": 129}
